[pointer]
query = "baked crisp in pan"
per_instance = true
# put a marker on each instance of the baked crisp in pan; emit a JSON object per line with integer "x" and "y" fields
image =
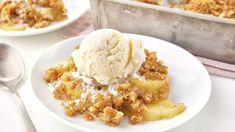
{"x": 219, "y": 8}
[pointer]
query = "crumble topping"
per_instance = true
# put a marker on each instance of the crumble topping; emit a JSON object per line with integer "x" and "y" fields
{"x": 152, "y": 68}
{"x": 110, "y": 104}
{"x": 219, "y": 8}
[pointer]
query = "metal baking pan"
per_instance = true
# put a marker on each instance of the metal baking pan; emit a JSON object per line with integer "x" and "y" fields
{"x": 203, "y": 35}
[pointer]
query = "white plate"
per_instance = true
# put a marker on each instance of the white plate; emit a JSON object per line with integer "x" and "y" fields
{"x": 190, "y": 84}
{"x": 75, "y": 9}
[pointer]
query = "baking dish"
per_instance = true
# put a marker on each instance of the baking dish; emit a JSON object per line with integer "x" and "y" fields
{"x": 203, "y": 35}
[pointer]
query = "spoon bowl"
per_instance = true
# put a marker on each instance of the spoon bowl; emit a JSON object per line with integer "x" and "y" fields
{"x": 11, "y": 67}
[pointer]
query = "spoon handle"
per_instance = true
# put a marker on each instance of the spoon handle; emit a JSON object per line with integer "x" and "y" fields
{"x": 28, "y": 125}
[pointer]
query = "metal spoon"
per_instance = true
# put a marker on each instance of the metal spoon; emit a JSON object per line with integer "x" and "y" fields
{"x": 11, "y": 73}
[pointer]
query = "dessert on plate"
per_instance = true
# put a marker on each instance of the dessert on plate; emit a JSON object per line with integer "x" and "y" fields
{"x": 18, "y": 15}
{"x": 110, "y": 76}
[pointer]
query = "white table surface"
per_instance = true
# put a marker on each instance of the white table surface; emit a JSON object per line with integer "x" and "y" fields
{"x": 217, "y": 116}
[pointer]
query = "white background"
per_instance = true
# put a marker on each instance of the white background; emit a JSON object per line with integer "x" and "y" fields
{"x": 217, "y": 116}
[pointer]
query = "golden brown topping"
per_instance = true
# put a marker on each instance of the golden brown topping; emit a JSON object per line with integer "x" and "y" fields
{"x": 88, "y": 116}
{"x": 118, "y": 101}
{"x": 55, "y": 72}
{"x": 152, "y": 68}
{"x": 69, "y": 89}
{"x": 100, "y": 105}
{"x": 111, "y": 116}
{"x": 74, "y": 108}
{"x": 136, "y": 118}
{"x": 220, "y": 8}
{"x": 71, "y": 109}
{"x": 148, "y": 98}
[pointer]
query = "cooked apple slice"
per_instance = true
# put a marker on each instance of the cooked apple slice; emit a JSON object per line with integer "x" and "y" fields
{"x": 158, "y": 88}
{"x": 10, "y": 27}
{"x": 150, "y": 85}
{"x": 163, "y": 109}
{"x": 46, "y": 13}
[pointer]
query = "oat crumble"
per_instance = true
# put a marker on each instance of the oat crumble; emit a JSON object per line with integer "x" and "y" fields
{"x": 220, "y": 8}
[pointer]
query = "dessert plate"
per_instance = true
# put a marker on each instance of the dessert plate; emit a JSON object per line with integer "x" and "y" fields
{"x": 75, "y": 8}
{"x": 190, "y": 84}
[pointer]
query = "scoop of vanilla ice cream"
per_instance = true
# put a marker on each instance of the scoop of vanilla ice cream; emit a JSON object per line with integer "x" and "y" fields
{"x": 107, "y": 55}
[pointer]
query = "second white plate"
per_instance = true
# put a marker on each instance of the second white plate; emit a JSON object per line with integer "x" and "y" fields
{"x": 75, "y": 9}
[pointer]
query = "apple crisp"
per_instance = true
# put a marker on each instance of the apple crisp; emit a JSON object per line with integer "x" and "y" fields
{"x": 220, "y": 8}
{"x": 18, "y": 15}
{"x": 141, "y": 97}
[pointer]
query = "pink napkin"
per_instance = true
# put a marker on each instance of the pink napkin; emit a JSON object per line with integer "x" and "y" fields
{"x": 218, "y": 68}
{"x": 83, "y": 26}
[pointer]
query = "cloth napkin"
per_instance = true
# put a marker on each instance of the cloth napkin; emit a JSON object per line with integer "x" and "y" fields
{"x": 83, "y": 26}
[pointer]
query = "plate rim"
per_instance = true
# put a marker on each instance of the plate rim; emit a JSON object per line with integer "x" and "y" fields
{"x": 78, "y": 127}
